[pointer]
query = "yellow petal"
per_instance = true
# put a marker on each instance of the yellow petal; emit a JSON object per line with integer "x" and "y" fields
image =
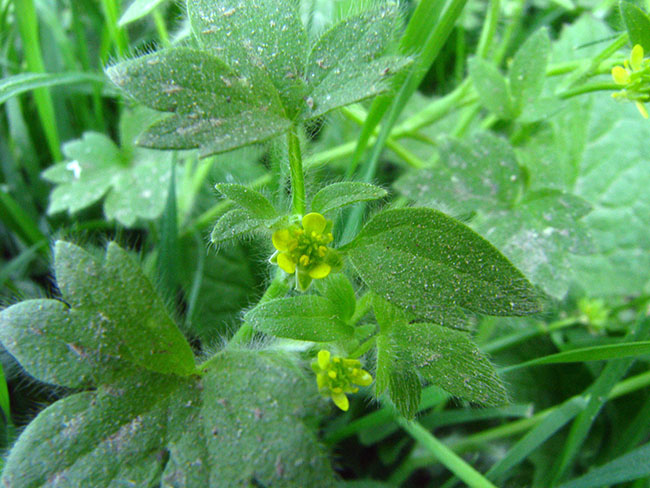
{"x": 314, "y": 222}
{"x": 323, "y": 358}
{"x": 620, "y": 75}
{"x": 642, "y": 109}
{"x": 341, "y": 401}
{"x": 363, "y": 379}
{"x": 636, "y": 58}
{"x": 320, "y": 271}
{"x": 286, "y": 263}
{"x": 282, "y": 239}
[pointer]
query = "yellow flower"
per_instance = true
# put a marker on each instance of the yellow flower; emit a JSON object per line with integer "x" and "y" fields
{"x": 303, "y": 250}
{"x": 336, "y": 376}
{"x": 634, "y": 76}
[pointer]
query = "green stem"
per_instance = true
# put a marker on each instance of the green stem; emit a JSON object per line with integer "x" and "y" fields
{"x": 589, "y": 88}
{"x": 489, "y": 28}
{"x": 276, "y": 289}
{"x": 297, "y": 175}
{"x": 529, "y": 333}
{"x": 445, "y": 455}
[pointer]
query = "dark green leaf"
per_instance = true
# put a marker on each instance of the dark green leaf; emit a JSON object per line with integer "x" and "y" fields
{"x": 120, "y": 306}
{"x": 346, "y": 64}
{"x": 425, "y": 261}
{"x": 529, "y": 69}
{"x": 253, "y": 201}
{"x": 305, "y": 318}
{"x": 263, "y": 40}
{"x": 637, "y": 23}
{"x": 491, "y": 87}
{"x": 339, "y": 195}
{"x": 234, "y": 224}
{"x": 233, "y": 426}
{"x": 214, "y": 108}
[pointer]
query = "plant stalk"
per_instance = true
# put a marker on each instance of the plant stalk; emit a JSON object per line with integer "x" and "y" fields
{"x": 297, "y": 175}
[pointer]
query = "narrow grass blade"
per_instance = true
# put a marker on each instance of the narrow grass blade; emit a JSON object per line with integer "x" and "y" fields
{"x": 537, "y": 436}
{"x": 595, "y": 353}
{"x": 28, "y": 26}
{"x": 16, "y": 219}
{"x": 631, "y": 466}
{"x": 137, "y": 10}
{"x": 12, "y": 86}
{"x": 168, "y": 252}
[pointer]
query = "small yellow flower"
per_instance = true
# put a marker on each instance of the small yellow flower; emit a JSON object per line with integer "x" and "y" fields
{"x": 634, "y": 77}
{"x": 336, "y": 376}
{"x": 304, "y": 250}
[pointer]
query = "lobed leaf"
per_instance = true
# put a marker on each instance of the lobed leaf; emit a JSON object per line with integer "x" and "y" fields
{"x": 339, "y": 195}
{"x": 425, "y": 261}
{"x": 263, "y": 40}
{"x": 234, "y": 426}
{"x": 304, "y": 318}
{"x": 215, "y": 109}
{"x": 346, "y": 64}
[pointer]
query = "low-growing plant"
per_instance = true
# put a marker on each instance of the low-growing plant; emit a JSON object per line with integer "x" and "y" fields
{"x": 507, "y": 220}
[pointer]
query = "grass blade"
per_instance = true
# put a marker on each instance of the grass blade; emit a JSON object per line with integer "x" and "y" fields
{"x": 12, "y": 86}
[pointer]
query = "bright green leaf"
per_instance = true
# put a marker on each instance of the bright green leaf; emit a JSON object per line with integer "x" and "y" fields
{"x": 469, "y": 176}
{"x": 425, "y": 261}
{"x": 339, "y": 195}
{"x": 11, "y": 86}
{"x": 637, "y": 23}
{"x": 539, "y": 235}
{"x": 491, "y": 87}
{"x": 253, "y": 201}
{"x": 528, "y": 69}
{"x": 304, "y": 318}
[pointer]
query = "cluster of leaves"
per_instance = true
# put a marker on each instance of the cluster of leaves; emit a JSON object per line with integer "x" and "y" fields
{"x": 534, "y": 201}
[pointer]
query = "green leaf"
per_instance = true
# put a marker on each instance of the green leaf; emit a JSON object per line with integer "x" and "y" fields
{"x": 137, "y": 10}
{"x": 214, "y": 107}
{"x": 11, "y": 86}
{"x": 251, "y": 200}
{"x": 491, "y": 87}
{"x": 425, "y": 261}
{"x": 346, "y": 64}
{"x": 135, "y": 181}
{"x": 528, "y": 69}
{"x": 122, "y": 304}
{"x": 304, "y": 318}
{"x": 637, "y": 23}
{"x": 539, "y": 235}
{"x": 234, "y": 426}
{"x": 631, "y": 466}
{"x": 594, "y": 353}
{"x": 469, "y": 176}
{"x": 339, "y": 195}
{"x": 234, "y": 224}
{"x": 338, "y": 289}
